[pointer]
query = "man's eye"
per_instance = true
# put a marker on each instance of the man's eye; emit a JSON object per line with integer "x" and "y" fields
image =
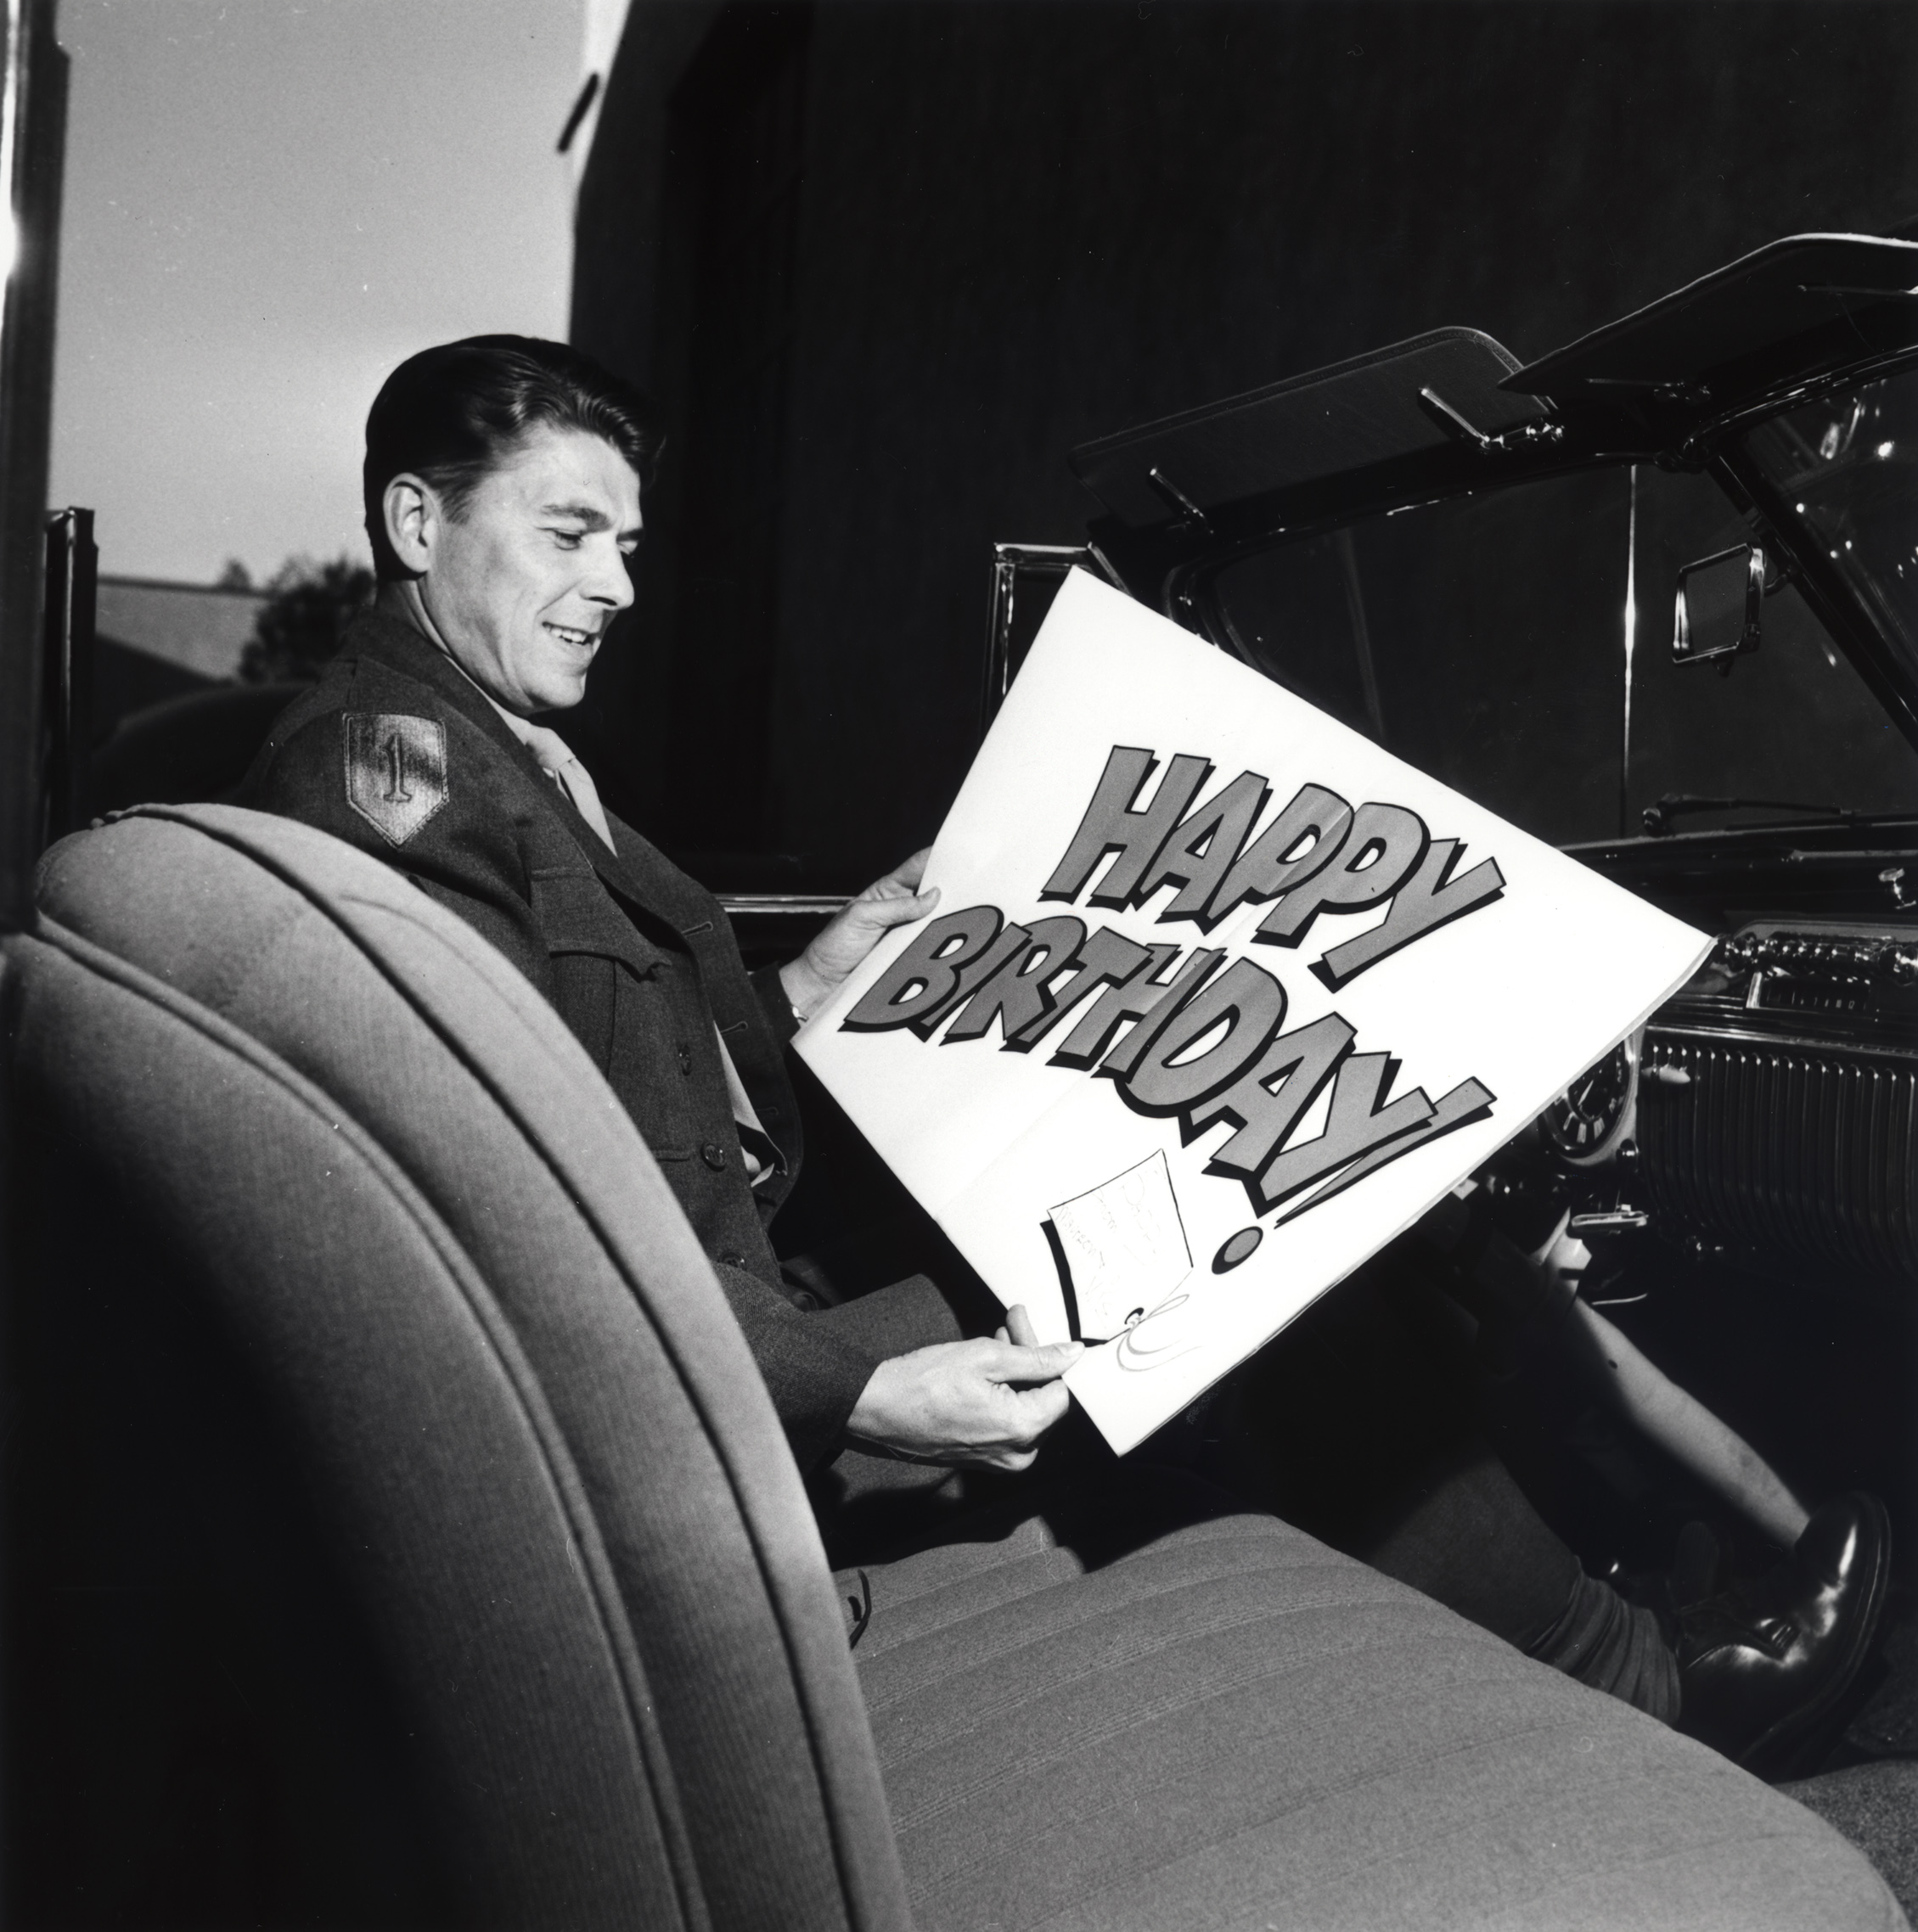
{"x": 569, "y": 539}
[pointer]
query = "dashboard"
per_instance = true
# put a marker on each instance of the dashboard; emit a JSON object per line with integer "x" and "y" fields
{"x": 1767, "y": 1113}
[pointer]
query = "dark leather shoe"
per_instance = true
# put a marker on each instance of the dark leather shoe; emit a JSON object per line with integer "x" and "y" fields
{"x": 1760, "y": 1664}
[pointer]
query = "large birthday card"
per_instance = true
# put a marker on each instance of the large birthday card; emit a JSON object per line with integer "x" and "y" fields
{"x": 1218, "y": 997}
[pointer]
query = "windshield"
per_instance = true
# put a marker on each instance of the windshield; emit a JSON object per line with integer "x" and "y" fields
{"x": 1493, "y": 640}
{"x": 1848, "y": 465}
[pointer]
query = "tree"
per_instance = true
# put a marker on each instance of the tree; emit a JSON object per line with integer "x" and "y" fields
{"x": 299, "y": 626}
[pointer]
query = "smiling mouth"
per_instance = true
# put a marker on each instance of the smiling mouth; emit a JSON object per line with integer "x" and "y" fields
{"x": 586, "y": 640}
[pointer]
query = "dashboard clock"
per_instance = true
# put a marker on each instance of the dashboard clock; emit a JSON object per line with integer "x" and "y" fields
{"x": 1587, "y": 1125}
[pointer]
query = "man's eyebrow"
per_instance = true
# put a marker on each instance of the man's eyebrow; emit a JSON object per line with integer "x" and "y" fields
{"x": 590, "y": 514}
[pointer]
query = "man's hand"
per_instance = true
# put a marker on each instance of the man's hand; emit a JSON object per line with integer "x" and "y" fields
{"x": 983, "y": 1405}
{"x": 885, "y": 903}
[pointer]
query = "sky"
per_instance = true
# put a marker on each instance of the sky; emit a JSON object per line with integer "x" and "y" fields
{"x": 268, "y": 204}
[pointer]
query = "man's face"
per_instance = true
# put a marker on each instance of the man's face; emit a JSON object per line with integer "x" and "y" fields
{"x": 524, "y": 582}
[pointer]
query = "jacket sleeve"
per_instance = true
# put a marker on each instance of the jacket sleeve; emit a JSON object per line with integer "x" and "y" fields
{"x": 813, "y": 1367}
{"x": 909, "y": 1314}
{"x": 816, "y": 1365}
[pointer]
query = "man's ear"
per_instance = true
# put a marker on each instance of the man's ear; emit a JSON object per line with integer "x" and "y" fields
{"x": 414, "y": 520}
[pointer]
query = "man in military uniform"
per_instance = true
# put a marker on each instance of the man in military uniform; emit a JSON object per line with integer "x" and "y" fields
{"x": 502, "y": 491}
{"x": 502, "y": 481}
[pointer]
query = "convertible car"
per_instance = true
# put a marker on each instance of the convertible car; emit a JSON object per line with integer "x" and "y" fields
{"x": 399, "y": 1533}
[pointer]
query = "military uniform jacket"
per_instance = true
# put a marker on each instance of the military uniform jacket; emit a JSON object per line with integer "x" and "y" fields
{"x": 398, "y": 753}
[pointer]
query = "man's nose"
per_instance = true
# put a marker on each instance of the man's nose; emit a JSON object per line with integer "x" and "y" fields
{"x": 612, "y": 582}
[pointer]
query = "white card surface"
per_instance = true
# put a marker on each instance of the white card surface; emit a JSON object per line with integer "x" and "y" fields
{"x": 1218, "y": 997}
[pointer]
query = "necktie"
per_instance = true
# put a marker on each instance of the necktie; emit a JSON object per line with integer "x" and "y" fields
{"x": 557, "y": 760}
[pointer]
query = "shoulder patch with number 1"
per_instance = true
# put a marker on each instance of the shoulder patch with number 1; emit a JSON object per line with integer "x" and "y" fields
{"x": 395, "y": 770}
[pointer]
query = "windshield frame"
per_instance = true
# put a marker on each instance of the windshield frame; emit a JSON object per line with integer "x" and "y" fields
{"x": 1187, "y": 587}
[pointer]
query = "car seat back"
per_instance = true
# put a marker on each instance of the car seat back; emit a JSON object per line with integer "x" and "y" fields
{"x": 350, "y": 1300}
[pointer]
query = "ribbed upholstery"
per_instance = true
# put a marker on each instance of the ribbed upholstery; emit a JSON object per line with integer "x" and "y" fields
{"x": 1233, "y": 1727}
{"x": 274, "y": 1111}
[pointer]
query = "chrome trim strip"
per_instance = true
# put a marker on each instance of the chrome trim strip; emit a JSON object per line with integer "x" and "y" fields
{"x": 798, "y": 904}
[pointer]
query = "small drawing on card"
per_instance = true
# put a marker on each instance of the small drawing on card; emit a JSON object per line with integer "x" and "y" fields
{"x": 1122, "y": 1246}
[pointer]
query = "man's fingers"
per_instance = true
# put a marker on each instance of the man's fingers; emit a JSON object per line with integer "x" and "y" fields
{"x": 977, "y": 1402}
{"x": 1041, "y": 1408}
{"x": 1013, "y": 1362}
{"x": 1019, "y": 1327}
{"x": 887, "y": 912}
{"x": 903, "y": 881}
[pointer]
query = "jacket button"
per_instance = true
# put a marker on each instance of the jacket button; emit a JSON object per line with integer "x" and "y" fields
{"x": 713, "y": 1156}
{"x": 733, "y": 1261}
{"x": 685, "y": 1059}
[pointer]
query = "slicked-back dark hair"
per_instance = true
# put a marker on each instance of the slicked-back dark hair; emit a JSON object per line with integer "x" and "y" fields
{"x": 451, "y": 414}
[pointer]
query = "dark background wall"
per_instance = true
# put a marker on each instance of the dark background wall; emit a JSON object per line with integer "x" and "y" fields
{"x": 885, "y": 261}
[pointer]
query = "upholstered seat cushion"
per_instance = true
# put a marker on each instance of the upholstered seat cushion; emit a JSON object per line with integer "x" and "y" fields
{"x": 1226, "y": 1724}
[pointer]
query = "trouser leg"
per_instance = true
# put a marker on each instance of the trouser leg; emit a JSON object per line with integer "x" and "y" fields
{"x": 1361, "y": 1424}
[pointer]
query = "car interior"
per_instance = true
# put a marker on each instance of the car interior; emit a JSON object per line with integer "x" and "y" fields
{"x": 399, "y": 1533}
